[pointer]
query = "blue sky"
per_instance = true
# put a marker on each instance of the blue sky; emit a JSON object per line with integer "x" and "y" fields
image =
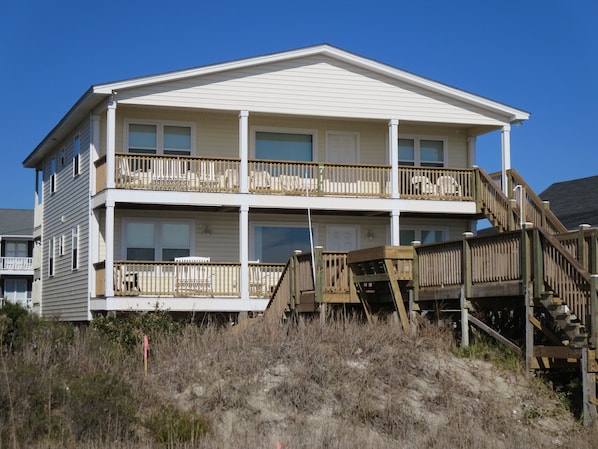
{"x": 537, "y": 55}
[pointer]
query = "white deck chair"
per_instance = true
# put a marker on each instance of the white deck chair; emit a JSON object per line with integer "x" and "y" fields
{"x": 257, "y": 287}
{"x": 192, "y": 277}
{"x": 447, "y": 185}
{"x": 423, "y": 184}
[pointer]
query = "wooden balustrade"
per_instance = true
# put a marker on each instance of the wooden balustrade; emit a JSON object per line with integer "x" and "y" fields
{"x": 495, "y": 258}
{"x": 336, "y": 272}
{"x": 440, "y": 264}
{"x": 179, "y": 173}
{"x": 190, "y": 173}
{"x": 436, "y": 183}
{"x": 492, "y": 201}
{"x": 318, "y": 179}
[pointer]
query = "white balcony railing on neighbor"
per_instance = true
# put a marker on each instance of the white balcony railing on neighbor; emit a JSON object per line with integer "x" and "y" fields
{"x": 16, "y": 263}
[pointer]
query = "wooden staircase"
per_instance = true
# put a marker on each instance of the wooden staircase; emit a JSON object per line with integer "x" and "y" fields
{"x": 574, "y": 333}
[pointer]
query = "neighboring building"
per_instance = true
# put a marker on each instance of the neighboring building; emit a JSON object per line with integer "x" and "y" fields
{"x": 574, "y": 202}
{"x": 16, "y": 256}
{"x": 188, "y": 190}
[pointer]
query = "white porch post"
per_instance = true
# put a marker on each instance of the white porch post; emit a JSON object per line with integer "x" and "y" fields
{"x": 471, "y": 150}
{"x": 110, "y": 143}
{"x": 243, "y": 150}
{"x": 94, "y": 151}
{"x": 395, "y": 239}
{"x": 506, "y": 157}
{"x": 109, "y": 235}
{"x": 393, "y": 147}
{"x": 244, "y": 250}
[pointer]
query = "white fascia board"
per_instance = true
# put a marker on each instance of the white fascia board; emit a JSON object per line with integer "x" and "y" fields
{"x": 512, "y": 114}
{"x": 179, "y": 304}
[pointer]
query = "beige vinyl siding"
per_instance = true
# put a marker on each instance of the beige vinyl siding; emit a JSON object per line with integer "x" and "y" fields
{"x": 454, "y": 227}
{"x": 222, "y": 245}
{"x": 217, "y": 134}
{"x": 65, "y": 295}
{"x": 316, "y": 85}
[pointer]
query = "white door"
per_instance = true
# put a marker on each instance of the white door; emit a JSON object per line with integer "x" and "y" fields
{"x": 342, "y": 237}
{"x": 341, "y": 148}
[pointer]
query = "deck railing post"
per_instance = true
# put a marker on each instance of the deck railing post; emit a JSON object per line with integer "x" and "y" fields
{"x": 466, "y": 268}
{"x": 593, "y": 253}
{"x": 512, "y": 208}
{"x": 477, "y": 189}
{"x": 582, "y": 249}
{"x": 538, "y": 263}
{"x": 594, "y": 310}
{"x": 415, "y": 270}
{"x": 319, "y": 280}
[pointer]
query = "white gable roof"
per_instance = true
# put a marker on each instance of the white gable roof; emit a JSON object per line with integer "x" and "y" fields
{"x": 205, "y": 83}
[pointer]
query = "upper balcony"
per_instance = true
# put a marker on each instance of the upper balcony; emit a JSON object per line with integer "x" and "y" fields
{"x": 16, "y": 265}
{"x": 195, "y": 174}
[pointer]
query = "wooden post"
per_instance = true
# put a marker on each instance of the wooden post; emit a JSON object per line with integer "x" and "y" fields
{"x": 588, "y": 381}
{"x": 582, "y": 249}
{"x": 466, "y": 268}
{"x": 319, "y": 280}
{"x": 415, "y": 271}
{"x": 593, "y": 253}
{"x": 593, "y": 310}
{"x": 545, "y": 207}
{"x": 529, "y": 329}
{"x": 464, "y": 319}
{"x": 477, "y": 189}
{"x": 321, "y": 180}
{"x": 538, "y": 263}
{"x": 512, "y": 208}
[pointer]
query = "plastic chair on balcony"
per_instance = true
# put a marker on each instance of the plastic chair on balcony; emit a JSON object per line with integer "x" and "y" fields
{"x": 448, "y": 186}
{"x": 423, "y": 185}
{"x": 125, "y": 282}
{"x": 257, "y": 286}
{"x": 192, "y": 277}
{"x": 207, "y": 174}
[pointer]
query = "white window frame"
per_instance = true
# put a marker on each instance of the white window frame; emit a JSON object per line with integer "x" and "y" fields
{"x": 274, "y": 223}
{"x": 157, "y": 222}
{"x": 273, "y": 129}
{"x": 15, "y": 244}
{"x": 53, "y": 177}
{"x": 61, "y": 245}
{"x": 52, "y": 257}
{"x": 15, "y": 289}
{"x": 159, "y": 124}
{"x": 417, "y": 138}
{"x": 418, "y": 231}
{"x": 75, "y": 244}
{"x": 76, "y": 156}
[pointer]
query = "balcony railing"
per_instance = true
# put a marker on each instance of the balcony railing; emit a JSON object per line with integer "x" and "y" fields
{"x": 185, "y": 279}
{"x": 16, "y": 263}
{"x": 188, "y": 173}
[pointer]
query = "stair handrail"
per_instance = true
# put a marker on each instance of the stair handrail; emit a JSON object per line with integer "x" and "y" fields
{"x": 493, "y": 200}
{"x": 567, "y": 277}
{"x": 539, "y": 215}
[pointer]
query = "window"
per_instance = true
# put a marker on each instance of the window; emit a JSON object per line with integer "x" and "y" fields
{"x": 16, "y": 249}
{"x": 157, "y": 240}
{"x": 153, "y": 138}
{"x": 15, "y": 290}
{"x": 284, "y": 146}
{"x": 51, "y": 255}
{"x": 424, "y": 236}
{"x": 275, "y": 244}
{"x": 61, "y": 243}
{"x": 76, "y": 150}
{"x": 75, "y": 249}
{"x": 422, "y": 152}
{"x": 53, "y": 176}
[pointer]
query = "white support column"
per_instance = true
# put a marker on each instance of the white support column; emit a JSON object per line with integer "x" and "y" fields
{"x": 244, "y": 150}
{"x": 471, "y": 150}
{"x": 393, "y": 148}
{"x": 506, "y": 157}
{"x": 94, "y": 151}
{"x": 395, "y": 239}
{"x": 244, "y": 250}
{"x": 110, "y": 143}
{"x": 109, "y": 236}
